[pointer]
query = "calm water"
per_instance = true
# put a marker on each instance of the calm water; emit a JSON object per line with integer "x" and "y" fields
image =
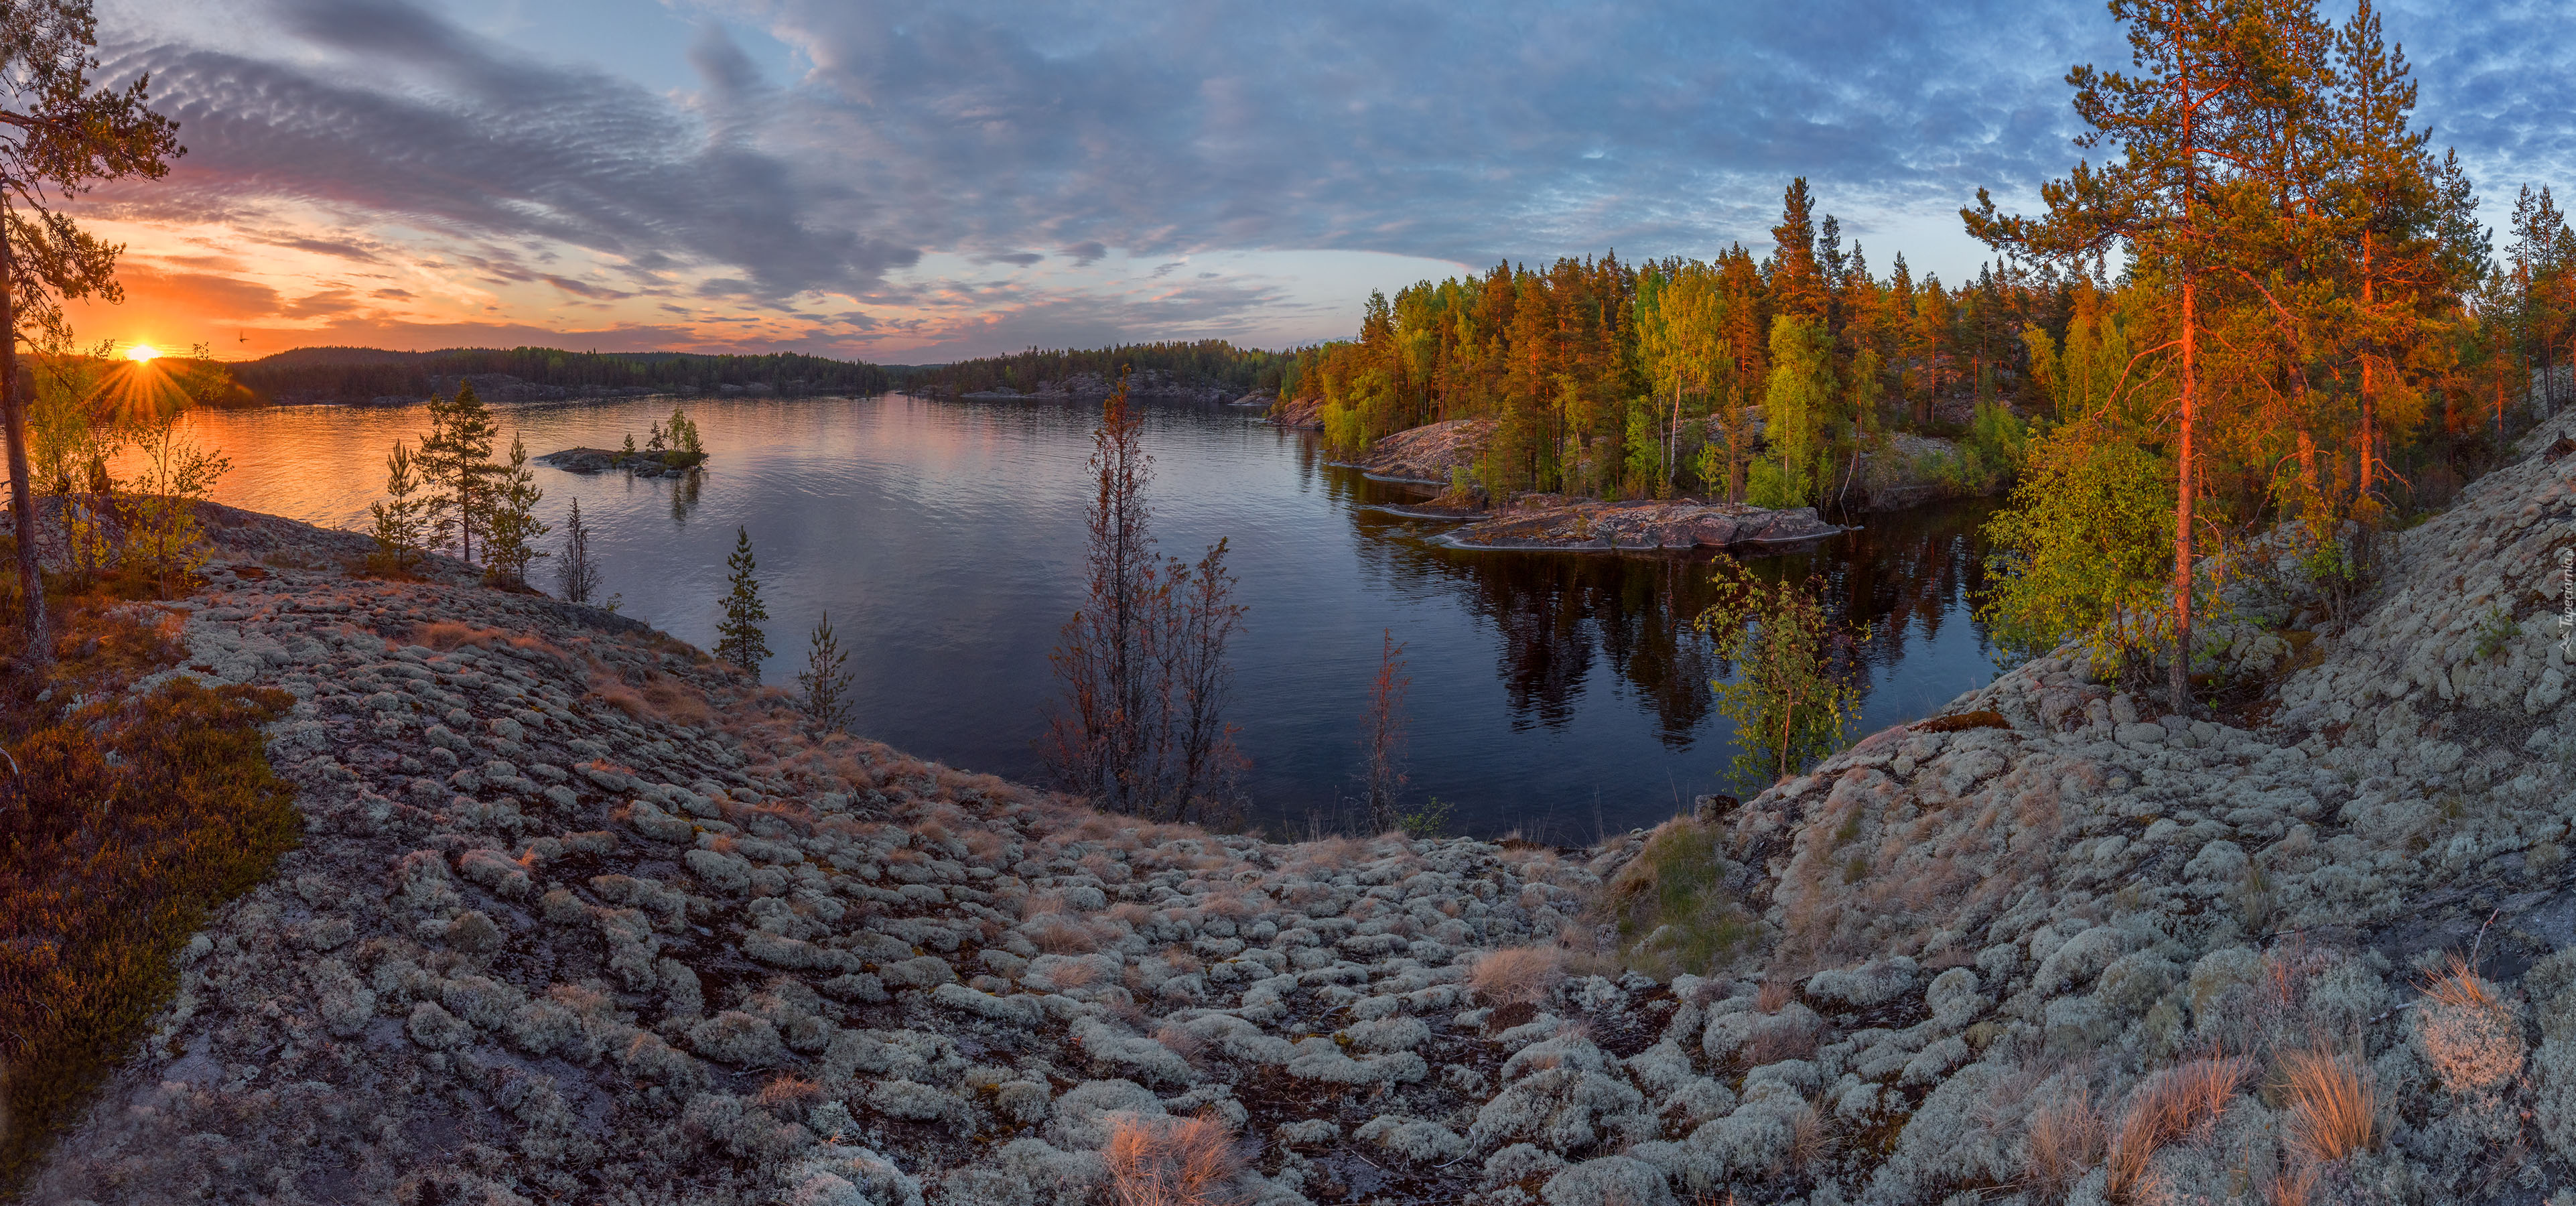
{"x": 1559, "y": 693}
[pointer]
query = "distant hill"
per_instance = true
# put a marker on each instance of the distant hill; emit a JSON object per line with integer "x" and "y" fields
{"x": 364, "y": 375}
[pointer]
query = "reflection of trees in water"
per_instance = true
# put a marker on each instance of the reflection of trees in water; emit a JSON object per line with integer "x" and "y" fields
{"x": 1557, "y": 614}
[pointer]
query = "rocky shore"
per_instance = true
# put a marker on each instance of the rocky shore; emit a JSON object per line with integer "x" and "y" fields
{"x": 1427, "y": 454}
{"x": 1549, "y": 521}
{"x": 581, "y": 915}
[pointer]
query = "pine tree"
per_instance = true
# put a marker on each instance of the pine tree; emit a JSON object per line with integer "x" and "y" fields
{"x": 512, "y": 521}
{"x": 456, "y": 462}
{"x": 398, "y": 524}
{"x": 739, "y": 638}
{"x": 580, "y": 574}
{"x": 2206, "y": 71}
{"x": 825, "y": 681}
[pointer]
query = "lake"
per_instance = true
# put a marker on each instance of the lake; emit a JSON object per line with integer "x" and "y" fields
{"x": 1560, "y": 694}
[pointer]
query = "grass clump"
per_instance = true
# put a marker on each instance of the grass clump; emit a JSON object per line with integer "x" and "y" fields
{"x": 137, "y": 820}
{"x": 1670, "y": 905}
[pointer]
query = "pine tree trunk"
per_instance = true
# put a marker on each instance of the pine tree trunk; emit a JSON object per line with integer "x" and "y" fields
{"x": 22, "y": 495}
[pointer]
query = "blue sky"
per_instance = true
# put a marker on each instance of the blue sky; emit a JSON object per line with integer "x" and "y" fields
{"x": 914, "y": 182}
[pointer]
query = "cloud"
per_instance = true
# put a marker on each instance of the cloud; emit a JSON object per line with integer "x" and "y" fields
{"x": 490, "y": 145}
{"x": 819, "y": 172}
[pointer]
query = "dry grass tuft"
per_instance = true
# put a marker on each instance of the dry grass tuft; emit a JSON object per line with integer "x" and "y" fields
{"x": 2334, "y": 1107}
{"x": 2470, "y": 1034}
{"x": 2164, "y": 1108}
{"x": 450, "y": 634}
{"x": 1774, "y": 996}
{"x": 1516, "y": 975}
{"x": 1171, "y": 1161}
{"x": 2066, "y": 1138}
{"x": 790, "y": 1091}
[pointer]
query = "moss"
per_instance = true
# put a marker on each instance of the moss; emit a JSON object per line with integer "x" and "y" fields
{"x": 1671, "y": 906}
{"x": 140, "y": 819}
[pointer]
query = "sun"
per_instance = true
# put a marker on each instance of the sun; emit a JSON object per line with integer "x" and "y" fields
{"x": 142, "y": 351}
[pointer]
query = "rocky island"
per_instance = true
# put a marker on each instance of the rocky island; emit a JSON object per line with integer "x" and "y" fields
{"x": 580, "y": 914}
{"x": 670, "y": 463}
{"x": 1550, "y": 521}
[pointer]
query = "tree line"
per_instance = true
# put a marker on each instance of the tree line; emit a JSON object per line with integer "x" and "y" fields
{"x": 357, "y": 374}
{"x": 2271, "y": 306}
{"x": 1204, "y": 361}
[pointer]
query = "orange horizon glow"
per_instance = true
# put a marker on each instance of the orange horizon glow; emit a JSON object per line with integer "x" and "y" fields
{"x": 142, "y": 351}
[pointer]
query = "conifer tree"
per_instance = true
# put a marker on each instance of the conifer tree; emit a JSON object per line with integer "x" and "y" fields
{"x": 825, "y": 679}
{"x": 455, "y": 461}
{"x": 2182, "y": 122}
{"x": 398, "y": 524}
{"x": 739, "y": 638}
{"x": 512, "y": 524}
{"x": 58, "y": 137}
{"x": 579, "y": 572}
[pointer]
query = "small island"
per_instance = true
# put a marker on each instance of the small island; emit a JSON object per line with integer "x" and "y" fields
{"x": 670, "y": 450}
{"x": 665, "y": 463}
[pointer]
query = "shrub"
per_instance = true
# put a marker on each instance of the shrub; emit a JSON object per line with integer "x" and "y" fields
{"x": 1798, "y": 678}
{"x": 1672, "y": 912}
{"x": 1170, "y": 1161}
{"x": 142, "y": 816}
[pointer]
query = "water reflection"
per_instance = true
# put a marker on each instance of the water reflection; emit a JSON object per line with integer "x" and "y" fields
{"x": 1559, "y": 693}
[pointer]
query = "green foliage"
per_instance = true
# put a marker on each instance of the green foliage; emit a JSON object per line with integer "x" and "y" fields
{"x": 2496, "y": 630}
{"x": 1799, "y": 404}
{"x": 512, "y": 521}
{"x": 579, "y": 572}
{"x": 739, "y": 638}
{"x": 2085, "y": 550}
{"x": 1797, "y": 684}
{"x": 1428, "y": 821}
{"x": 686, "y": 448}
{"x": 1670, "y": 906}
{"x": 1993, "y": 452}
{"x": 162, "y": 539}
{"x": 825, "y": 679}
{"x": 399, "y": 525}
{"x": 1345, "y": 431}
{"x": 141, "y": 817}
{"x": 455, "y": 462}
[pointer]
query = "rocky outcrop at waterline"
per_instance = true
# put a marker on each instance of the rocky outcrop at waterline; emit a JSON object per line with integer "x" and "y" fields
{"x": 1431, "y": 454}
{"x": 581, "y": 915}
{"x": 1550, "y": 521}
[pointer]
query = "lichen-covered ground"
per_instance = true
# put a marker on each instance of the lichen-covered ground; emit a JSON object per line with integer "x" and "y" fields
{"x": 582, "y": 917}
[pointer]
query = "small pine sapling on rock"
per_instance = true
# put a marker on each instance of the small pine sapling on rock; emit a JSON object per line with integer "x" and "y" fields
{"x": 739, "y": 638}
{"x": 580, "y": 573}
{"x": 512, "y": 530}
{"x": 825, "y": 680}
{"x": 399, "y": 524}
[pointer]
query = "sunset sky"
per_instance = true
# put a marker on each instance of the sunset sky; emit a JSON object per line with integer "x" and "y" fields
{"x": 917, "y": 182}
